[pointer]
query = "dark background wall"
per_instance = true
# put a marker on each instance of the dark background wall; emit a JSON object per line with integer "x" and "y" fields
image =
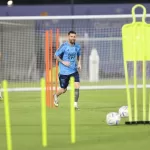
{"x": 66, "y": 9}
{"x": 30, "y": 2}
{"x": 70, "y": 7}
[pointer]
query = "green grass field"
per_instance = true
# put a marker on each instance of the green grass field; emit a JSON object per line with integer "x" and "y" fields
{"x": 83, "y": 83}
{"x": 91, "y": 130}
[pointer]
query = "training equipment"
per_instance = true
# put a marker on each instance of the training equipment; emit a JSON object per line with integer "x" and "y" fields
{"x": 50, "y": 75}
{"x": 123, "y": 111}
{"x": 136, "y": 49}
{"x": 33, "y": 38}
{"x": 7, "y": 116}
{"x": 113, "y": 118}
{"x": 43, "y": 113}
{"x": 72, "y": 111}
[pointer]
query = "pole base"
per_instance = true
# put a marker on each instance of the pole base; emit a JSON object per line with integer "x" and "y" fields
{"x": 137, "y": 122}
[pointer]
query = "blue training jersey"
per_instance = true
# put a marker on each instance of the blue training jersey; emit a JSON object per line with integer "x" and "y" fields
{"x": 69, "y": 53}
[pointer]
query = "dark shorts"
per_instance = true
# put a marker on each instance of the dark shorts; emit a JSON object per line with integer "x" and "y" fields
{"x": 64, "y": 79}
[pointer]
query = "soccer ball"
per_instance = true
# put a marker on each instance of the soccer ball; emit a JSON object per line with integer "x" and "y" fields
{"x": 123, "y": 111}
{"x": 113, "y": 118}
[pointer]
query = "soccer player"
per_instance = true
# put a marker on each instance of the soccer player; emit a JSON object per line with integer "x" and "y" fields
{"x": 69, "y": 58}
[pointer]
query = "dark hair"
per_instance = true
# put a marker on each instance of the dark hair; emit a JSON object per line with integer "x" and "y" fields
{"x": 71, "y": 32}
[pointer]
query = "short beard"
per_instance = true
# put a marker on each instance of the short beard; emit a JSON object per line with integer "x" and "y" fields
{"x": 72, "y": 42}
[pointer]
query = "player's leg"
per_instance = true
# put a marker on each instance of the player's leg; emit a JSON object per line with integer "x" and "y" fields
{"x": 77, "y": 88}
{"x": 58, "y": 93}
{"x": 0, "y": 93}
{"x": 64, "y": 81}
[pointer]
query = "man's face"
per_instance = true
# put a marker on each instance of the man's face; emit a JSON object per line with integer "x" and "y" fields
{"x": 72, "y": 38}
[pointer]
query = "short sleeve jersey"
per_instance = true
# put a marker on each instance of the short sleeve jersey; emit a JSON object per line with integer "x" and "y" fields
{"x": 69, "y": 53}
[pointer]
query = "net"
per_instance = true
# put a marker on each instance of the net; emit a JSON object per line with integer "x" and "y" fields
{"x": 22, "y": 48}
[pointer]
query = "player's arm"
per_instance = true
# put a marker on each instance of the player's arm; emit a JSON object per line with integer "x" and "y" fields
{"x": 60, "y": 52}
{"x": 79, "y": 59}
{"x": 58, "y": 59}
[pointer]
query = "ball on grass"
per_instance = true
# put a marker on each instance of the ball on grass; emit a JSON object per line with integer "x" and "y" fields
{"x": 123, "y": 111}
{"x": 113, "y": 118}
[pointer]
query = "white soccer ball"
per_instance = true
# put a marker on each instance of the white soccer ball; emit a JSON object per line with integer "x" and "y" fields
{"x": 113, "y": 118}
{"x": 123, "y": 111}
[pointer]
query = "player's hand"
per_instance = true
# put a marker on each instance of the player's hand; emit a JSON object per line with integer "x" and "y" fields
{"x": 66, "y": 63}
{"x": 79, "y": 67}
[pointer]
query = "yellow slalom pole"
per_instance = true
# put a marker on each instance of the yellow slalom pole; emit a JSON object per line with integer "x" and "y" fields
{"x": 128, "y": 91}
{"x": 72, "y": 109}
{"x": 144, "y": 80}
{"x": 135, "y": 77}
{"x": 7, "y": 116}
{"x": 43, "y": 113}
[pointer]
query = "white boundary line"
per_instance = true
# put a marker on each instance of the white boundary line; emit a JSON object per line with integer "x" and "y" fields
{"x": 108, "y": 87}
